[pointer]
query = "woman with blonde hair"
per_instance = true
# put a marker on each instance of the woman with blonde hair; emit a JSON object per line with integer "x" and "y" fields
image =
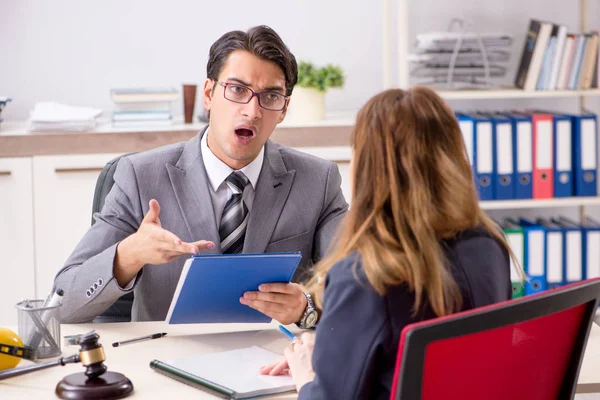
{"x": 414, "y": 245}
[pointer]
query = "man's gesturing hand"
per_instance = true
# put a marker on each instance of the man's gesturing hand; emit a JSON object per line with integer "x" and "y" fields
{"x": 151, "y": 244}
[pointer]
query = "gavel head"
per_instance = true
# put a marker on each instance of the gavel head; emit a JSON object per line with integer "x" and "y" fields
{"x": 92, "y": 355}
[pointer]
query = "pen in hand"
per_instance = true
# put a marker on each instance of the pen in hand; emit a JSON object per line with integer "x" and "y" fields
{"x": 286, "y": 332}
{"x": 139, "y": 339}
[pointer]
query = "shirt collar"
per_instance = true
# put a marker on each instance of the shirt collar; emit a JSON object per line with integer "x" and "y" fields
{"x": 218, "y": 171}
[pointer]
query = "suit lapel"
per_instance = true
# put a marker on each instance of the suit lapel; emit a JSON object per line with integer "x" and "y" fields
{"x": 191, "y": 187}
{"x": 272, "y": 190}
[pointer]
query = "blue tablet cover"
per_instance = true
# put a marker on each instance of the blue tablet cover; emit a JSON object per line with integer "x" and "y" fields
{"x": 211, "y": 285}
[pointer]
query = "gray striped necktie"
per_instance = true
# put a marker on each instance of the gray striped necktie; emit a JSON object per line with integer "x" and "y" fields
{"x": 235, "y": 215}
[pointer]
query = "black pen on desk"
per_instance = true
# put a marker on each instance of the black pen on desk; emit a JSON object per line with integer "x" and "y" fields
{"x": 134, "y": 340}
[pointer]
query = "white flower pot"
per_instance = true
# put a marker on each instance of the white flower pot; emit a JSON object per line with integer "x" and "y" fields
{"x": 306, "y": 105}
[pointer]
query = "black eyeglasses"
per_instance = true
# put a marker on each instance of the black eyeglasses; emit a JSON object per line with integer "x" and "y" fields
{"x": 237, "y": 93}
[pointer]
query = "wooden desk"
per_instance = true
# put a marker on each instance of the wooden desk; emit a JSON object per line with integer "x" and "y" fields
{"x": 187, "y": 340}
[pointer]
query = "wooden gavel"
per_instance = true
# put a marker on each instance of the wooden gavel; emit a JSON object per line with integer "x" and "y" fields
{"x": 91, "y": 355}
{"x": 95, "y": 383}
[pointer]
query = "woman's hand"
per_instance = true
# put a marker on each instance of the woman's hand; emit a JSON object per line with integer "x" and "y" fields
{"x": 299, "y": 359}
{"x": 281, "y": 367}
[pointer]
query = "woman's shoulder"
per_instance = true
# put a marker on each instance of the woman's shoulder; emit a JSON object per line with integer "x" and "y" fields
{"x": 477, "y": 245}
{"x": 346, "y": 283}
{"x": 479, "y": 237}
{"x": 346, "y": 266}
{"x": 481, "y": 265}
{"x": 348, "y": 271}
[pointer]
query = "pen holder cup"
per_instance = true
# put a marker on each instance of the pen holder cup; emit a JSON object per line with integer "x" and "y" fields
{"x": 39, "y": 327}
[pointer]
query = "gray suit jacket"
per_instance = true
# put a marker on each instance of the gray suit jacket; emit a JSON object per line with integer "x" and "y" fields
{"x": 298, "y": 204}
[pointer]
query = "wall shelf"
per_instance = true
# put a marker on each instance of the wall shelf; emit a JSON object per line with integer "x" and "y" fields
{"x": 536, "y": 203}
{"x": 513, "y": 94}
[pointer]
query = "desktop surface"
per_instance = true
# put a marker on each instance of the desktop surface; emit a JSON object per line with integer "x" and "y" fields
{"x": 133, "y": 360}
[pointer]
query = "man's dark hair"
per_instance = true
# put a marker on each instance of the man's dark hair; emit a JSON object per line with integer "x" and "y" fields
{"x": 260, "y": 41}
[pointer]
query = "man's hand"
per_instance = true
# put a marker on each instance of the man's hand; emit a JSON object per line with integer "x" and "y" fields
{"x": 151, "y": 244}
{"x": 284, "y": 302}
{"x": 299, "y": 358}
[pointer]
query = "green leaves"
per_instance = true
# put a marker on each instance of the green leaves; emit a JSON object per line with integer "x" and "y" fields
{"x": 330, "y": 76}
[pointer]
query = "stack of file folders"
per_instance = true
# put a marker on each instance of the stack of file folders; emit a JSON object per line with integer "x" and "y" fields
{"x": 553, "y": 252}
{"x": 143, "y": 106}
{"x": 434, "y": 59}
{"x": 531, "y": 154}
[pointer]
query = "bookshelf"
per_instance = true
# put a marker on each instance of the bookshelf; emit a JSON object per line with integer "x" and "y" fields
{"x": 545, "y": 203}
{"x": 402, "y": 49}
{"x": 397, "y": 44}
{"x": 399, "y": 68}
{"x": 514, "y": 93}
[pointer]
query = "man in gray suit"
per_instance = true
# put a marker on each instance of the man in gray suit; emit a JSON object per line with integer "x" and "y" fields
{"x": 227, "y": 190}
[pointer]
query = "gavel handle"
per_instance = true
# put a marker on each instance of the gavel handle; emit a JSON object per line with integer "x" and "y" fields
{"x": 20, "y": 371}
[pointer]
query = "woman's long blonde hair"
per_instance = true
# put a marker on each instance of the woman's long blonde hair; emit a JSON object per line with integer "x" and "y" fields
{"x": 412, "y": 187}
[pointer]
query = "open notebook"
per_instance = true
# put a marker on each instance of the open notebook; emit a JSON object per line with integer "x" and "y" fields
{"x": 231, "y": 374}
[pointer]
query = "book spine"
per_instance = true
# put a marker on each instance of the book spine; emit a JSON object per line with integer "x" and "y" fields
{"x": 559, "y": 52}
{"x": 530, "y": 40}
{"x": 539, "y": 51}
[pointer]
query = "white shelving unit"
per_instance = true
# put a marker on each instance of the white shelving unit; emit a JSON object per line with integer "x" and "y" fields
{"x": 401, "y": 49}
{"x": 544, "y": 203}
{"x": 513, "y": 93}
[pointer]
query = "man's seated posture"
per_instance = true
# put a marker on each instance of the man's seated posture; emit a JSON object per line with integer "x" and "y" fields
{"x": 227, "y": 190}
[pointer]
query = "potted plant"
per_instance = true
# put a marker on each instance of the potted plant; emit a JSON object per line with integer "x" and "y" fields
{"x": 308, "y": 98}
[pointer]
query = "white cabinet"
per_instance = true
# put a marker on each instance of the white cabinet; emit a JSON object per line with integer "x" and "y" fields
{"x": 63, "y": 194}
{"x": 16, "y": 236}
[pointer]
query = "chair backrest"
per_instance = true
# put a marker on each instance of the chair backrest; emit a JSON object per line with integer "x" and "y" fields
{"x": 527, "y": 348}
{"x": 120, "y": 311}
{"x": 104, "y": 183}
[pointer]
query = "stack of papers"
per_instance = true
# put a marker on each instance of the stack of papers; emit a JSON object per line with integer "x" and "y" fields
{"x": 55, "y": 116}
{"x": 469, "y": 41}
{"x": 448, "y": 57}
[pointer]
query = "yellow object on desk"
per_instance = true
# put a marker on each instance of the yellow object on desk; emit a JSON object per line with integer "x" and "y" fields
{"x": 12, "y": 349}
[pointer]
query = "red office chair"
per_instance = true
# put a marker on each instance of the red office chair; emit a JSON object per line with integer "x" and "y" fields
{"x": 527, "y": 348}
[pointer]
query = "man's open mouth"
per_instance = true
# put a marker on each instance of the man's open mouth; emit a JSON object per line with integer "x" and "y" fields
{"x": 244, "y": 132}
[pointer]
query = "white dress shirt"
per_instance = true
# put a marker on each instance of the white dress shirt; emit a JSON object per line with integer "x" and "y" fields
{"x": 217, "y": 171}
{"x": 220, "y": 192}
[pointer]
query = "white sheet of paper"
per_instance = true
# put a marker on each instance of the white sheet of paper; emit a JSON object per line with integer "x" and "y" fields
{"x": 237, "y": 370}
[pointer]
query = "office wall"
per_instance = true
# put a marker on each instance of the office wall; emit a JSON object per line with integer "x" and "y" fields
{"x": 75, "y": 51}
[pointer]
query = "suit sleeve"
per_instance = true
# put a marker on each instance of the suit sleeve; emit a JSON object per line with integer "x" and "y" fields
{"x": 346, "y": 347}
{"x": 87, "y": 276}
{"x": 334, "y": 209}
